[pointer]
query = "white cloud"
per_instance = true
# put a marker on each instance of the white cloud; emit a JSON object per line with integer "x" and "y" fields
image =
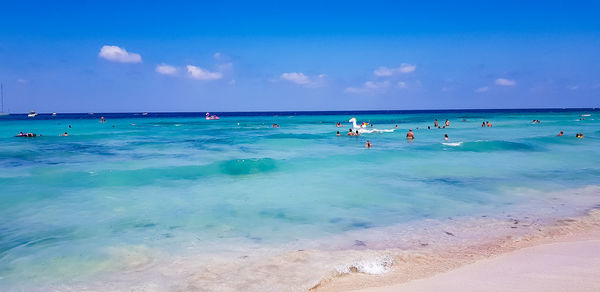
{"x": 202, "y": 74}
{"x": 401, "y": 84}
{"x": 116, "y": 54}
{"x": 21, "y": 81}
{"x": 166, "y": 69}
{"x": 369, "y": 87}
{"x": 482, "y": 89}
{"x": 505, "y": 82}
{"x": 385, "y": 71}
{"x": 298, "y": 78}
{"x": 304, "y": 80}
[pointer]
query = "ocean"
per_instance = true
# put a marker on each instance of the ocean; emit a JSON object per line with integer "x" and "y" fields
{"x": 171, "y": 201}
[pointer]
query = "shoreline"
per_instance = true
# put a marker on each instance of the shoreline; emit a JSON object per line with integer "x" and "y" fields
{"x": 374, "y": 258}
{"x": 446, "y": 268}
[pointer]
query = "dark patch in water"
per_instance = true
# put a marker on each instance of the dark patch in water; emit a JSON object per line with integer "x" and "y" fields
{"x": 359, "y": 243}
{"x": 335, "y": 220}
{"x": 146, "y": 225}
{"x": 247, "y": 166}
{"x": 254, "y": 238}
{"x": 360, "y": 225}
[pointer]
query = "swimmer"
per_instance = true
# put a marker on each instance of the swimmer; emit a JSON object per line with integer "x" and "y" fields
{"x": 396, "y": 126}
{"x": 579, "y": 135}
{"x": 338, "y": 133}
{"x": 66, "y": 134}
{"x": 350, "y": 133}
{"x": 446, "y": 137}
{"x": 560, "y": 134}
{"x": 428, "y": 128}
{"x": 435, "y": 124}
{"x": 339, "y": 125}
{"x": 368, "y": 145}
{"x": 489, "y": 124}
{"x": 102, "y": 120}
{"x": 356, "y": 134}
{"x": 410, "y": 135}
{"x": 483, "y": 125}
{"x": 69, "y": 126}
{"x": 447, "y": 123}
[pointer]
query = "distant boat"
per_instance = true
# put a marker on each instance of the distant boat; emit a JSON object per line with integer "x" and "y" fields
{"x": 211, "y": 117}
{"x": 144, "y": 114}
{"x": 54, "y": 114}
{"x": 32, "y": 114}
{"x": 2, "y": 113}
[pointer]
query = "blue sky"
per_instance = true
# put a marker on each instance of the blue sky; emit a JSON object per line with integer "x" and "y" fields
{"x": 114, "y": 56}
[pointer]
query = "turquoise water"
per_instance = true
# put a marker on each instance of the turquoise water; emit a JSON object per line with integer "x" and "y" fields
{"x": 169, "y": 182}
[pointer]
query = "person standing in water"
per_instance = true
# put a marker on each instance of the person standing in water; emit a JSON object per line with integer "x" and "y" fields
{"x": 410, "y": 135}
{"x": 446, "y": 137}
{"x": 350, "y": 133}
{"x": 483, "y": 124}
{"x": 447, "y": 123}
{"x": 435, "y": 123}
{"x": 560, "y": 134}
{"x": 338, "y": 133}
{"x": 368, "y": 145}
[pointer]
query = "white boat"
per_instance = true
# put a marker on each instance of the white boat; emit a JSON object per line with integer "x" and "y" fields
{"x": 32, "y": 114}
{"x": 2, "y": 113}
{"x": 54, "y": 114}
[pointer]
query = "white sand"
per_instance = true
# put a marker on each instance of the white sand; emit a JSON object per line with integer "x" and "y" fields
{"x": 560, "y": 266}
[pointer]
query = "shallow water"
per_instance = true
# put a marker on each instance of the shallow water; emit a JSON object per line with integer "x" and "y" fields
{"x": 72, "y": 208}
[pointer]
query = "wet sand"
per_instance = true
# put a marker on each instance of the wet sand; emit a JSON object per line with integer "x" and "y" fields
{"x": 561, "y": 266}
{"x": 564, "y": 257}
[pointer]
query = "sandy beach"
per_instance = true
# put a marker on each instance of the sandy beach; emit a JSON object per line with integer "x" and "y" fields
{"x": 564, "y": 258}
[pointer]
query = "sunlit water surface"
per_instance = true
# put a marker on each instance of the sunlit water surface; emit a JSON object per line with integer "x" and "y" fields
{"x": 168, "y": 182}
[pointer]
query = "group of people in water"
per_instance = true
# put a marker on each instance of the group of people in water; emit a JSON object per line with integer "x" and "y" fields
{"x": 578, "y": 135}
{"x": 410, "y": 135}
{"x": 21, "y": 134}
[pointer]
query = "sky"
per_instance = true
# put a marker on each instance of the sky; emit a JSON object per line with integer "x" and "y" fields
{"x": 160, "y": 56}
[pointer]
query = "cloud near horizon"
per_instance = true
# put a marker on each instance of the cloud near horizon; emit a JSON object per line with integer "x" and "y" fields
{"x": 385, "y": 71}
{"x": 117, "y": 54}
{"x": 202, "y": 74}
{"x": 166, "y": 69}
{"x": 370, "y": 87}
{"x": 505, "y": 82}
{"x": 304, "y": 80}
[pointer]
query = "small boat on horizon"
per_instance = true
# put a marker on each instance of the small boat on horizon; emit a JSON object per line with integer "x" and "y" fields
{"x": 32, "y": 114}
{"x": 211, "y": 117}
